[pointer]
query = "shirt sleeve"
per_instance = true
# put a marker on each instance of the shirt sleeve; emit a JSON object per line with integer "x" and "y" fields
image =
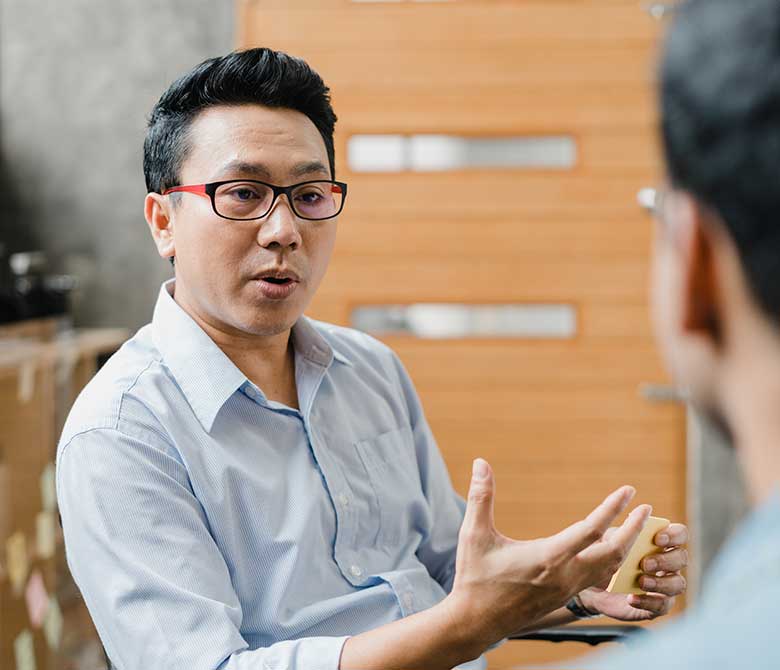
{"x": 139, "y": 548}
{"x": 447, "y": 508}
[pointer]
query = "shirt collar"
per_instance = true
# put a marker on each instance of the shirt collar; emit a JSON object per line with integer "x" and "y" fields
{"x": 206, "y": 376}
{"x": 313, "y": 346}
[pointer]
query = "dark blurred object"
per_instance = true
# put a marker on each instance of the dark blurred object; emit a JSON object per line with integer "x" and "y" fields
{"x": 33, "y": 294}
{"x": 8, "y": 309}
{"x": 592, "y": 635}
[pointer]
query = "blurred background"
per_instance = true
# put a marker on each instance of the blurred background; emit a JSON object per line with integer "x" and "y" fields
{"x": 493, "y": 238}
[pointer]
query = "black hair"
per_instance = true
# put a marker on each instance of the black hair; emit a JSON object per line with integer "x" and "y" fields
{"x": 720, "y": 121}
{"x": 252, "y": 76}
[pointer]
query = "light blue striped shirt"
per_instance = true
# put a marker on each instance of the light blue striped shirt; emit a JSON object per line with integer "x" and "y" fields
{"x": 208, "y": 527}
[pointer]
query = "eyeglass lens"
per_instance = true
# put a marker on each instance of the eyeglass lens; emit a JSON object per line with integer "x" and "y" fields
{"x": 250, "y": 200}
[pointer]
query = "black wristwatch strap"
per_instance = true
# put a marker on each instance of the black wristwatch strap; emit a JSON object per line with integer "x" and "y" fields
{"x": 579, "y": 610}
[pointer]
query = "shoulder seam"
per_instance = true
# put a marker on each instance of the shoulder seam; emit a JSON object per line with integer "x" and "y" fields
{"x": 91, "y": 429}
{"x": 130, "y": 388}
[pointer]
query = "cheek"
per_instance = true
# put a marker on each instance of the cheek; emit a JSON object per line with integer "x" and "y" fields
{"x": 209, "y": 243}
{"x": 209, "y": 254}
{"x": 321, "y": 251}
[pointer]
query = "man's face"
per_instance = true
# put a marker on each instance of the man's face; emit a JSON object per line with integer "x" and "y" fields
{"x": 217, "y": 260}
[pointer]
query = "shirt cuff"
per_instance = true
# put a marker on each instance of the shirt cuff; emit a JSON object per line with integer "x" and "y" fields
{"x": 311, "y": 653}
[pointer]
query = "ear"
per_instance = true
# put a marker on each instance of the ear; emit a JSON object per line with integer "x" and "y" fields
{"x": 702, "y": 308}
{"x": 158, "y": 214}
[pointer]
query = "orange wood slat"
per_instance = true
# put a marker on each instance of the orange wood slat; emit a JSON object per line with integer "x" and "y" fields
{"x": 490, "y": 194}
{"x": 495, "y": 366}
{"x": 483, "y": 280}
{"x": 439, "y": 239}
{"x": 541, "y": 107}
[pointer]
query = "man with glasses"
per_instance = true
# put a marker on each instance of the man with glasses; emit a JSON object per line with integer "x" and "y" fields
{"x": 243, "y": 487}
{"x": 716, "y": 306}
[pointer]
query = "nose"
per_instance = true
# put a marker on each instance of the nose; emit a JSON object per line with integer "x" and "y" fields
{"x": 279, "y": 228}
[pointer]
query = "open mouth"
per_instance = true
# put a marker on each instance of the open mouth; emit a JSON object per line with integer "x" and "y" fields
{"x": 280, "y": 281}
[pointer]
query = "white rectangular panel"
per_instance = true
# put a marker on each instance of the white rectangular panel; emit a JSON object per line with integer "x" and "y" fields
{"x": 444, "y": 321}
{"x": 441, "y": 153}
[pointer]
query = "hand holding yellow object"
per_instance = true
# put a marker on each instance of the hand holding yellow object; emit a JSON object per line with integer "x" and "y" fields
{"x": 625, "y": 580}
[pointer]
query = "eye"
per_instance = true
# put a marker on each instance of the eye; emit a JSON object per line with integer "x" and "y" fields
{"x": 244, "y": 193}
{"x": 310, "y": 195}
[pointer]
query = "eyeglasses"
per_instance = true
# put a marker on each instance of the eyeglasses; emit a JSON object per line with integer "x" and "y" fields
{"x": 654, "y": 201}
{"x": 247, "y": 199}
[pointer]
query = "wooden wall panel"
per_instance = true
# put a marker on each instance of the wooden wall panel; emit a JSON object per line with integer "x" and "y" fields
{"x": 562, "y": 422}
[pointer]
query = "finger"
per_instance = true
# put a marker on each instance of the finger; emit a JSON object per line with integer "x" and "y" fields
{"x": 572, "y": 540}
{"x": 673, "y": 535}
{"x": 478, "y": 518}
{"x": 621, "y": 541}
{"x": 670, "y": 561}
{"x": 656, "y": 605}
{"x": 670, "y": 585}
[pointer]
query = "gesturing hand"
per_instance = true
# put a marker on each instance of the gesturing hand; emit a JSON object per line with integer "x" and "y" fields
{"x": 502, "y": 585}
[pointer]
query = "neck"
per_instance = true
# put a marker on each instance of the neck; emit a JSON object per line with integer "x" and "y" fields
{"x": 752, "y": 404}
{"x": 264, "y": 360}
{"x": 268, "y": 361}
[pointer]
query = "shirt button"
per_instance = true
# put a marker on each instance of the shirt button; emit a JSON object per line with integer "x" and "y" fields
{"x": 356, "y": 571}
{"x": 343, "y": 500}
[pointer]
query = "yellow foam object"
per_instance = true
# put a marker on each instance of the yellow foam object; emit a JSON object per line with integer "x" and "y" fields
{"x": 625, "y": 579}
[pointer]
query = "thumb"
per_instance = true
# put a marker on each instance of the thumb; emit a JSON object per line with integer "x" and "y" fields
{"x": 479, "y": 506}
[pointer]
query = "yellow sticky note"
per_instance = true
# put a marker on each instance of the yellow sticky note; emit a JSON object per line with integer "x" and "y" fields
{"x": 625, "y": 579}
{"x": 46, "y": 534}
{"x": 52, "y": 624}
{"x": 24, "y": 650}
{"x": 48, "y": 488}
{"x": 17, "y": 561}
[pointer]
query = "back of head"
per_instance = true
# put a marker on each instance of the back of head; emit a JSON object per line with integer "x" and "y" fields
{"x": 720, "y": 107}
{"x": 253, "y": 76}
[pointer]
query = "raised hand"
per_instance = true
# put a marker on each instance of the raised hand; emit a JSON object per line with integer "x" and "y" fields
{"x": 503, "y": 585}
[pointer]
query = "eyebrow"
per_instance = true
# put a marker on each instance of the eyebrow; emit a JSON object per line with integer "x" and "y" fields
{"x": 260, "y": 170}
{"x": 312, "y": 167}
{"x": 241, "y": 167}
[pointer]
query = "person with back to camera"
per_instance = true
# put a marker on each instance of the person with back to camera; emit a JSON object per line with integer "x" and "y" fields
{"x": 716, "y": 307}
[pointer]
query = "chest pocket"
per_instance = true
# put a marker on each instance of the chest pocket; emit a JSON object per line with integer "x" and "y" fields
{"x": 391, "y": 467}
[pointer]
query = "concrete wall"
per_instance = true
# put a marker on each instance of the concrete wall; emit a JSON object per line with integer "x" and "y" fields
{"x": 77, "y": 81}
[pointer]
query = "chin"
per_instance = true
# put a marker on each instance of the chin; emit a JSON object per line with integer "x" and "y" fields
{"x": 266, "y": 327}
{"x": 263, "y": 324}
